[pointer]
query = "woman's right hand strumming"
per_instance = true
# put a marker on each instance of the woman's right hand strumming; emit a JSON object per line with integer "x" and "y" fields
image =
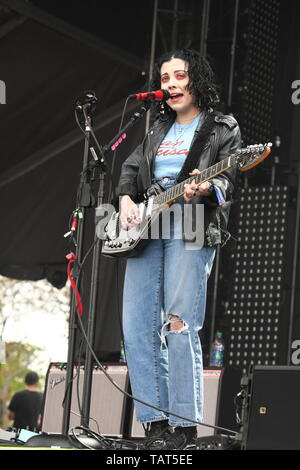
{"x": 129, "y": 213}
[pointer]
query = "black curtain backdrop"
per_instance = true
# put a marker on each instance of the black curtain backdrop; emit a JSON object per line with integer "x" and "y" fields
{"x": 41, "y": 144}
{"x": 42, "y": 157}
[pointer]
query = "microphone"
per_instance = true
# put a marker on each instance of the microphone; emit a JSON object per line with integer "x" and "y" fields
{"x": 157, "y": 95}
{"x": 87, "y": 100}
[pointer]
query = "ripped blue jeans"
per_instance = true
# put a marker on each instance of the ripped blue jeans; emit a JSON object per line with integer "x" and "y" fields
{"x": 165, "y": 366}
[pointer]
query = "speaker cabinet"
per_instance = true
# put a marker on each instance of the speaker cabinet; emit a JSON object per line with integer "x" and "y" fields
{"x": 108, "y": 404}
{"x": 212, "y": 381}
{"x": 272, "y": 408}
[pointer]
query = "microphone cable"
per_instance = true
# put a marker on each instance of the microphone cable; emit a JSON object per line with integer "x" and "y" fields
{"x": 82, "y": 329}
{"x": 124, "y": 392}
{"x": 133, "y": 397}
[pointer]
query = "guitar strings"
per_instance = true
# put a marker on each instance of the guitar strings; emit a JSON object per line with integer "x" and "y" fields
{"x": 197, "y": 176}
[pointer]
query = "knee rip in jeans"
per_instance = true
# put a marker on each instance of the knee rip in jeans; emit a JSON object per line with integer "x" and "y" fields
{"x": 174, "y": 324}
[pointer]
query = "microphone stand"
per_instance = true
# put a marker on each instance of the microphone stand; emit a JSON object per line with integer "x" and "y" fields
{"x": 88, "y": 369}
{"x": 75, "y": 274}
{"x": 121, "y": 135}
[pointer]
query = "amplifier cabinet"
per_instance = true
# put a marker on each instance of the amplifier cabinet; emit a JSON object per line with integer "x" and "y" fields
{"x": 108, "y": 404}
{"x": 272, "y": 408}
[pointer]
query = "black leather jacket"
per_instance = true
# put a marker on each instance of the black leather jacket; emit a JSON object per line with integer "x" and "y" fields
{"x": 224, "y": 140}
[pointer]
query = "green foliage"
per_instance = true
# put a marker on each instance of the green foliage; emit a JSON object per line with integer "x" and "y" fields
{"x": 22, "y": 304}
{"x": 19, "y": 358}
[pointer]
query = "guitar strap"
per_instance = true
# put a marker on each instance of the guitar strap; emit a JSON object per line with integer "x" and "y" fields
{"x": 193, "y": 157}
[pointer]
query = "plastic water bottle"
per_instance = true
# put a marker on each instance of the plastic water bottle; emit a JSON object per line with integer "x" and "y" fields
{"x": 217, "y": 351}
{"x": 122, "y": 353}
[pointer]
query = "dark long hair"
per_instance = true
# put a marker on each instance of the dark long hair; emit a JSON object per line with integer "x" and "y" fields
{"x": 201, "y": 78}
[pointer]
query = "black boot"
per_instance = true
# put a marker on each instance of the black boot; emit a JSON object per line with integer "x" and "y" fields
{"x": 182, "y": 438}
{"x": 156, "y": 434}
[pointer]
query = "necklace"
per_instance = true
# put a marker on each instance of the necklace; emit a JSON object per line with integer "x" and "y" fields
{"x": 181, "y": 129}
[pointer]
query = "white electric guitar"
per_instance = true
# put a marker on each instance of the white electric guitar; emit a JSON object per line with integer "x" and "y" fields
{"x": 120, "y": 242}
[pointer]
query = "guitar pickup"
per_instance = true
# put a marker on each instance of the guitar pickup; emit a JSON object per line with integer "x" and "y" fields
{"x": 142, "y": 210}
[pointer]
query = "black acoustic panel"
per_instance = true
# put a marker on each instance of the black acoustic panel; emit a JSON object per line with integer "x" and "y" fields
{"x": 273, "y": 409}
{"x": 254, "y": 313}
{"x": 258, "y": 62}
{"x": 108, "y": 404}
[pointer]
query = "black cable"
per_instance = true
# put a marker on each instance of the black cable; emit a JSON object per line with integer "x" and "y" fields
{"x": 90, "y": 346}
{"x": 111, "y": 181}
{"x": 88, "y": 166}
{"x": 241, "y": 396}
{"x": 80, "y": 344}
{"x": 138, "y": 399}
{"x": 78, "y": 122}
{"x": 111, "y": 380}
{"x": 119, "y": 306}
{"x": 112, "y": 185}
{"x": 117, "y": 260}
{"x": 78, "y": 376}
{"x": 88, "y": 431}
{"x": 73, "y": 239}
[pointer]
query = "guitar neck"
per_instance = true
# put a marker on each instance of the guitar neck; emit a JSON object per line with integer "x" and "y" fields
{"x": 205, "y": 175}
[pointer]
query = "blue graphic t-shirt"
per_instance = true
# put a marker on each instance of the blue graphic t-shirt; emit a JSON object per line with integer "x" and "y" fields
{"x": 174, "y": 148}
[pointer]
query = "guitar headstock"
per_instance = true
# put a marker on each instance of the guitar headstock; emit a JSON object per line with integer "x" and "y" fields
{"x": 251, "y": 156}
